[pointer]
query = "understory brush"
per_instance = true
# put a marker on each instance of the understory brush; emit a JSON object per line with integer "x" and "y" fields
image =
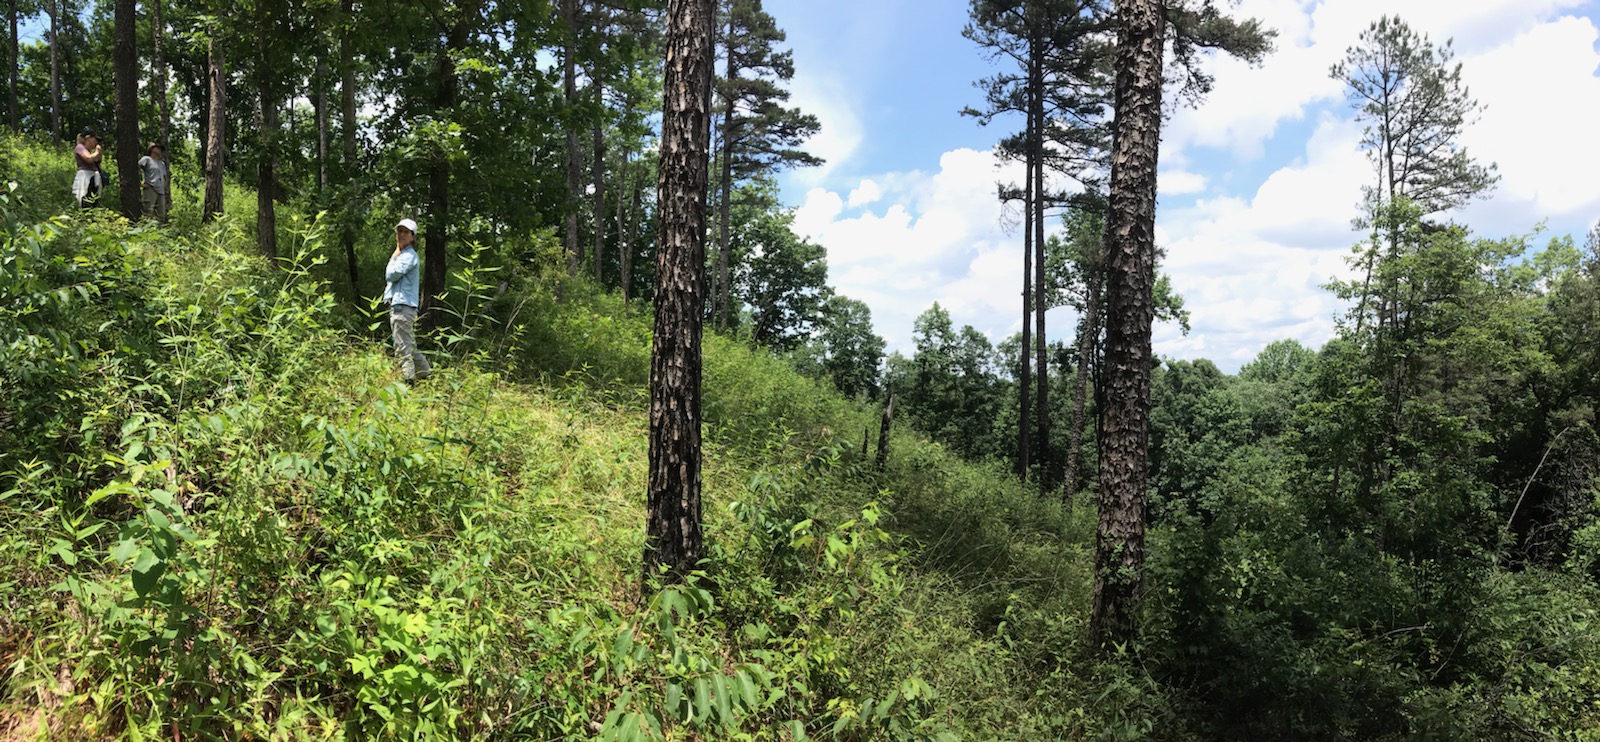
{"x": 223, "y": 515}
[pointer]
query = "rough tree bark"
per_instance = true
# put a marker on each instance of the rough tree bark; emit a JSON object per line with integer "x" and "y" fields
{"x": 1088, "y": 336}
{"x": 673, "y": 537}
{"x": 267, "y": 121}
{"x": 1130, "y": 252}
{"x": 724, "y": 292}
{"x": 1025, "y": 363}
{"x": 574, "y": 165}
{"x": 436, "y": 243}
{"x": 320, "y": 102}
{"x": 158, "y": 62}
{"x": 11, "y": 72}
{"x": 347, "y": 120}
{"x": 598, "y": 173}
{"x": 55, "y": 73}
{"x": 1040, "y": 304}
{"x": 216, "y": 136}
{"x": 125, "y": 71}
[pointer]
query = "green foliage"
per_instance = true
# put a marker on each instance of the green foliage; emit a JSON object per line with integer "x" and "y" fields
{"x": 224, "y": 516}
{"x": 782, "y": 276}
{"x": 253, "y": 530}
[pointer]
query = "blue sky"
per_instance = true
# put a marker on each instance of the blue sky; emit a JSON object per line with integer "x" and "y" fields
{"x": 1258, "y": 184}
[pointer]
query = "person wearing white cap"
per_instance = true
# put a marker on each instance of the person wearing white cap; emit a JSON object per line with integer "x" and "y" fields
{"x": 402, "y": 297}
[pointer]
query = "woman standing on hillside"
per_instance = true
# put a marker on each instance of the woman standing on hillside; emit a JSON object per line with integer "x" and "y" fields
{"x": 401, "y": 296}
{"x": 88, "y": 182}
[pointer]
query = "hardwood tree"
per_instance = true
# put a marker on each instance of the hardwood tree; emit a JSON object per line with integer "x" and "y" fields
{"x": 125, "y": 66}
{"x": 637, "y": 94}
{"x": 1081, "y": 255}
{"x": 268, "y": 16}
{"x": 852, "y": 355}
{"x": 1142, "y": 30}
{"x": 952, "y": 388}
{"x": 673, "y": 540}
{"x": 217, "y": 119}
{"x": 782, "y": 276}
{"x": 456, "y": 33}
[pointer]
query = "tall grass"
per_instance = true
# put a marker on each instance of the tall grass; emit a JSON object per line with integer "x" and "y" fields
{"x": 234, "y": 521}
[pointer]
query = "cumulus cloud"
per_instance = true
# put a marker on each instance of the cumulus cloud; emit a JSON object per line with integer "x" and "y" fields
{"x": 1180, "y": 182}
{"x": 936, "y": 236}
{"x": 841, "y": 133}
{"x": 865, "y": 193}
{"x": 1252, "y": 241}
{"x": 1542, "y": 101}
{"x": 1249, "y": 104}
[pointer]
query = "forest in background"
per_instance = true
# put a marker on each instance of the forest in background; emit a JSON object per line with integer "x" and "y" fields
{"x": 1391, "y": 536}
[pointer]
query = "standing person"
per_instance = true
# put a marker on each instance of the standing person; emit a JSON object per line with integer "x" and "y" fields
{"x": 89, "y": 180}
{"x": 155, "y": 192}
{"x": 401, "y": 294}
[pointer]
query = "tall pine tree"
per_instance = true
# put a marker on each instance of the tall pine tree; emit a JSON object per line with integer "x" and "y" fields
{"x": 673, "y": 540}
{"x": 758, "y": 134}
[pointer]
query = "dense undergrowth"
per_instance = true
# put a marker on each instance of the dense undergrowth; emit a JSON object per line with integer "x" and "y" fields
{"x": 221, "y": 516}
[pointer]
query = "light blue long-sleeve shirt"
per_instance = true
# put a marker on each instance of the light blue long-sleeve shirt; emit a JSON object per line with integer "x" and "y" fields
{"x": 402, "y": 277}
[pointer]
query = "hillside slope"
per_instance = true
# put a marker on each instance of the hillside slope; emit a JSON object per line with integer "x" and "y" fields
{"x": 221, "y": 515}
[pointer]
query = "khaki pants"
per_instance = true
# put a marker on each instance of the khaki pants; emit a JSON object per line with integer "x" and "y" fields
{"x": 413, "y": 364}
{"x": 156, "y": 203}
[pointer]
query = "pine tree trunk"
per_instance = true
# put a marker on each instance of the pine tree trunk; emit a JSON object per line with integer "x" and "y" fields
{"x": 320, "y": 102}
{"x": 125, "y": 71}
{"x": 216, "y": 138}
{"x": 630, "y": 246}
{"x": 55, "y": 73}
{"x": 673, "y": 537}
{"x": 267, "y": 120}
{"x": 1025, "y": 374}
{"x": 1040, "y": 302}
{"x": 724, "y": 296}
{"x": 1130, "y": 252}
{"x": 158, "y": 61}
{"x": 347, "y": 117}
{"x": 598, "y": 173}
{"x": 12, "y": 71}
{"x": 574, "y": 165}
{"x": 1088, "y": 336}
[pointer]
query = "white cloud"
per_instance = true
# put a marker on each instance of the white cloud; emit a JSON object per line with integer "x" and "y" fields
{"x": 1181, "y": 182}
{"x": 933, "y": 237}
{"x": 1248, "y": 104}
{"x": 1543, "y": 100}
{"x": 865, "y": 193}
{"x": 841, "y": 133}
{"x": 1259, "y": 235}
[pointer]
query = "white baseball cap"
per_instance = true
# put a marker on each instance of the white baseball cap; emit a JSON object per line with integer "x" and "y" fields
{"x": 409, "y": 225}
